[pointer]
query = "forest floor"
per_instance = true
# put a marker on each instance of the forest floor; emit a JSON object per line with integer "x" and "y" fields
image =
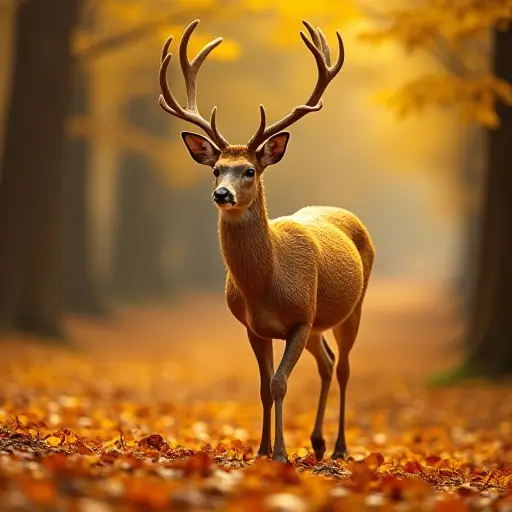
{"x": 158, "y": 408}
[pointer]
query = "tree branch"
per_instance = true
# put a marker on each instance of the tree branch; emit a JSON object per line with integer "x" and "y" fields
{"x": 133, "y": 35}
{"x": 440, "y": 51}
{"x": 101, "y": 47}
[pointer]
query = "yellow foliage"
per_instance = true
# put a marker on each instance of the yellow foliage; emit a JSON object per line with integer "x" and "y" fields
{"x": 54, "y": 441}
{"x": 135, "y": 12}
{"x": 329, "y": 15}
{"x": 134, "y": 59}
{"x": 131, "y": 16}
{"x": 456, "y": 32}
{"x": 129, "y": 138}
{"x": 475, "y": 99}
{"x": 422, "y": 24}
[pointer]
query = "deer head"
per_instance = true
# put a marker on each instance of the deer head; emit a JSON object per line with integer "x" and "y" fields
{"x": 238, "y": 168}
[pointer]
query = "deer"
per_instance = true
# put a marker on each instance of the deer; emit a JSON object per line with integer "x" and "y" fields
{"x": 290, "y": 278}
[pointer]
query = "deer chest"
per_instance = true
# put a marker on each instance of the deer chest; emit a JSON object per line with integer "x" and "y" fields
{"x": 258, "y": 317}
{"x": 265, "y": 323}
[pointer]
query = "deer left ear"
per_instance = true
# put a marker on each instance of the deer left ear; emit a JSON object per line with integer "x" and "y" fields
{"x": 202, "y": 150}
{"x": 273, "y": 150}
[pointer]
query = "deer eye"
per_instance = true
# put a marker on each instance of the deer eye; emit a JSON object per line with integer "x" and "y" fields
{"x": 250, "y": 173}
{"x": 216, "y": 172}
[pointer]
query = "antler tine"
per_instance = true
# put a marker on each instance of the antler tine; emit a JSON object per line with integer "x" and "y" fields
{"x": 341, "y": 55}
{"x": 315, "y": 36}
{"x": 261, "y": 127}
{"x": 323, "y": 71}
{"x": 165, "y": 48}
{"x": 213, "y": 120}
{"x": 319, "y": 47}
{"x": 190, "y": 70}
{"x": 325, "y": 47}
{"x": 186, "y": 68}
{"x": 221, "y": 141}
{"x": 317, "y": 53}
{"x": 168, "y": 99}
{"x": 183, "y": 47}
{"x": 201, "y": 56}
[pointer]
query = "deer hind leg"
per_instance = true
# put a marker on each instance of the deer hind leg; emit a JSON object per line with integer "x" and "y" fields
{"x": 317, "y": 346}
{"x": 345, "y": 335}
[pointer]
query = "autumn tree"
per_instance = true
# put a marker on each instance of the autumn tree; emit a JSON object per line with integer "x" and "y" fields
{"x": 42, "y": 201}
{"x": 110, "y": 29}
{"x": 145, "y": 181}
{"x": 474, "y": 41}
{"x": 32, "y": 166}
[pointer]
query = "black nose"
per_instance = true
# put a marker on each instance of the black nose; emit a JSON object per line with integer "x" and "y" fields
{"x": 223, "y": 195}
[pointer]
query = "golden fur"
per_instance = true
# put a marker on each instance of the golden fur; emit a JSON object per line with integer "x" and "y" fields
{"x": 288, "y": 278}
{"x": 310, "y": 267}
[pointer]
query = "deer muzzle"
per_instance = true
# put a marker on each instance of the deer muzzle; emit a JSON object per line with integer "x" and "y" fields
{"x": 222, "y": 196}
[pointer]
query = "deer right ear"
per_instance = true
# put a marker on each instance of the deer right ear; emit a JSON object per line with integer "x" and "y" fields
{"x": 202, "y": 150}
{"x": 273, "y": 150}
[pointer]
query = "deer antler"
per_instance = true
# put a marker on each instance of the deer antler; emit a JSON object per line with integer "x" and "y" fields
{"x": 320, "y": 50}
{"x": 190, "y": 71}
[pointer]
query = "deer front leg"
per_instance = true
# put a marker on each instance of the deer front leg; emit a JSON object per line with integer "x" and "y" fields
{"x": 262, "y": 348}
{"x": 295, "y": 344}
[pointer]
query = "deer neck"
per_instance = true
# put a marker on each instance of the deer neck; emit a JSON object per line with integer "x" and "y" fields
{"x": 247, "y": 246}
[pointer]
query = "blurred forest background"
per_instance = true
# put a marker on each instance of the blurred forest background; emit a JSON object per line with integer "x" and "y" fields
{"x": 104, "y": 215}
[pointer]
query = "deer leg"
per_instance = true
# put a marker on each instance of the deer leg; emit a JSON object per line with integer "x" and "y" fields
{"x": 295, "y": 344}
{"x": 345, "y": 335}
{"x": 262, "y": 349}
{"x": 317, "y": 346}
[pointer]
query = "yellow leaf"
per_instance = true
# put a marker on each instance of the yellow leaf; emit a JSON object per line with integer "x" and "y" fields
{"x": 302, "y": 452}
{"x": 488, "y": 117}
{"x": 107, "y": 423}
{"x": 503, "y": 90}
{"x": 112, "y": 443}
{"x": 23, "y": 420}
{"x": 54, "y": 441}
{"x": 71, "y": 438}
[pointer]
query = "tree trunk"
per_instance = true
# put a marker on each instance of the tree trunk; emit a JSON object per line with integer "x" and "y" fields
{"x": 472, "y": 169}
{"x": 149, "y": 235}
{"x": 139, "y": 240}
{"x": 31, "y": 192}
{"x": 489, "y": 339}
{"x": 81, "y": 293}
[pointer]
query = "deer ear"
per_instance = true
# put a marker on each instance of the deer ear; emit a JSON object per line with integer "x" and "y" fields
{"x": 202, "y": 150}
{"x": 273, "y": 150}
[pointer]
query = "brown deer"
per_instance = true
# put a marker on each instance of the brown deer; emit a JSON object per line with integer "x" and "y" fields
{"x": 289, "y": 278}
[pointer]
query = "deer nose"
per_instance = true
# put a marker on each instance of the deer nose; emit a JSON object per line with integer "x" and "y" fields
{"x": 223, "y": 195}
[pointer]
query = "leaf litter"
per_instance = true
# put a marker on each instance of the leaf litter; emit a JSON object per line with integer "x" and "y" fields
{"x": 83, "y": 435}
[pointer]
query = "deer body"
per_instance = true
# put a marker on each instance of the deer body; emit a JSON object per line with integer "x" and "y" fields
{"x": 289, "y": 278}
{"x": 300, "y": 269}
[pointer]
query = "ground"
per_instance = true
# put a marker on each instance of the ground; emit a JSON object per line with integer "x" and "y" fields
{"x": 158, "y": 408}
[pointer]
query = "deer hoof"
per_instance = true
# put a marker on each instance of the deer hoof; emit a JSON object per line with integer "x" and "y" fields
{"x": 318, "y": 444}
{"x": 280, "y": 458}
{"x": 340, "y": 455}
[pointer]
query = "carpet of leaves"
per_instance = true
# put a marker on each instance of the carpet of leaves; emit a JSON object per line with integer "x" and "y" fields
{"x": 98, "y": 434}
